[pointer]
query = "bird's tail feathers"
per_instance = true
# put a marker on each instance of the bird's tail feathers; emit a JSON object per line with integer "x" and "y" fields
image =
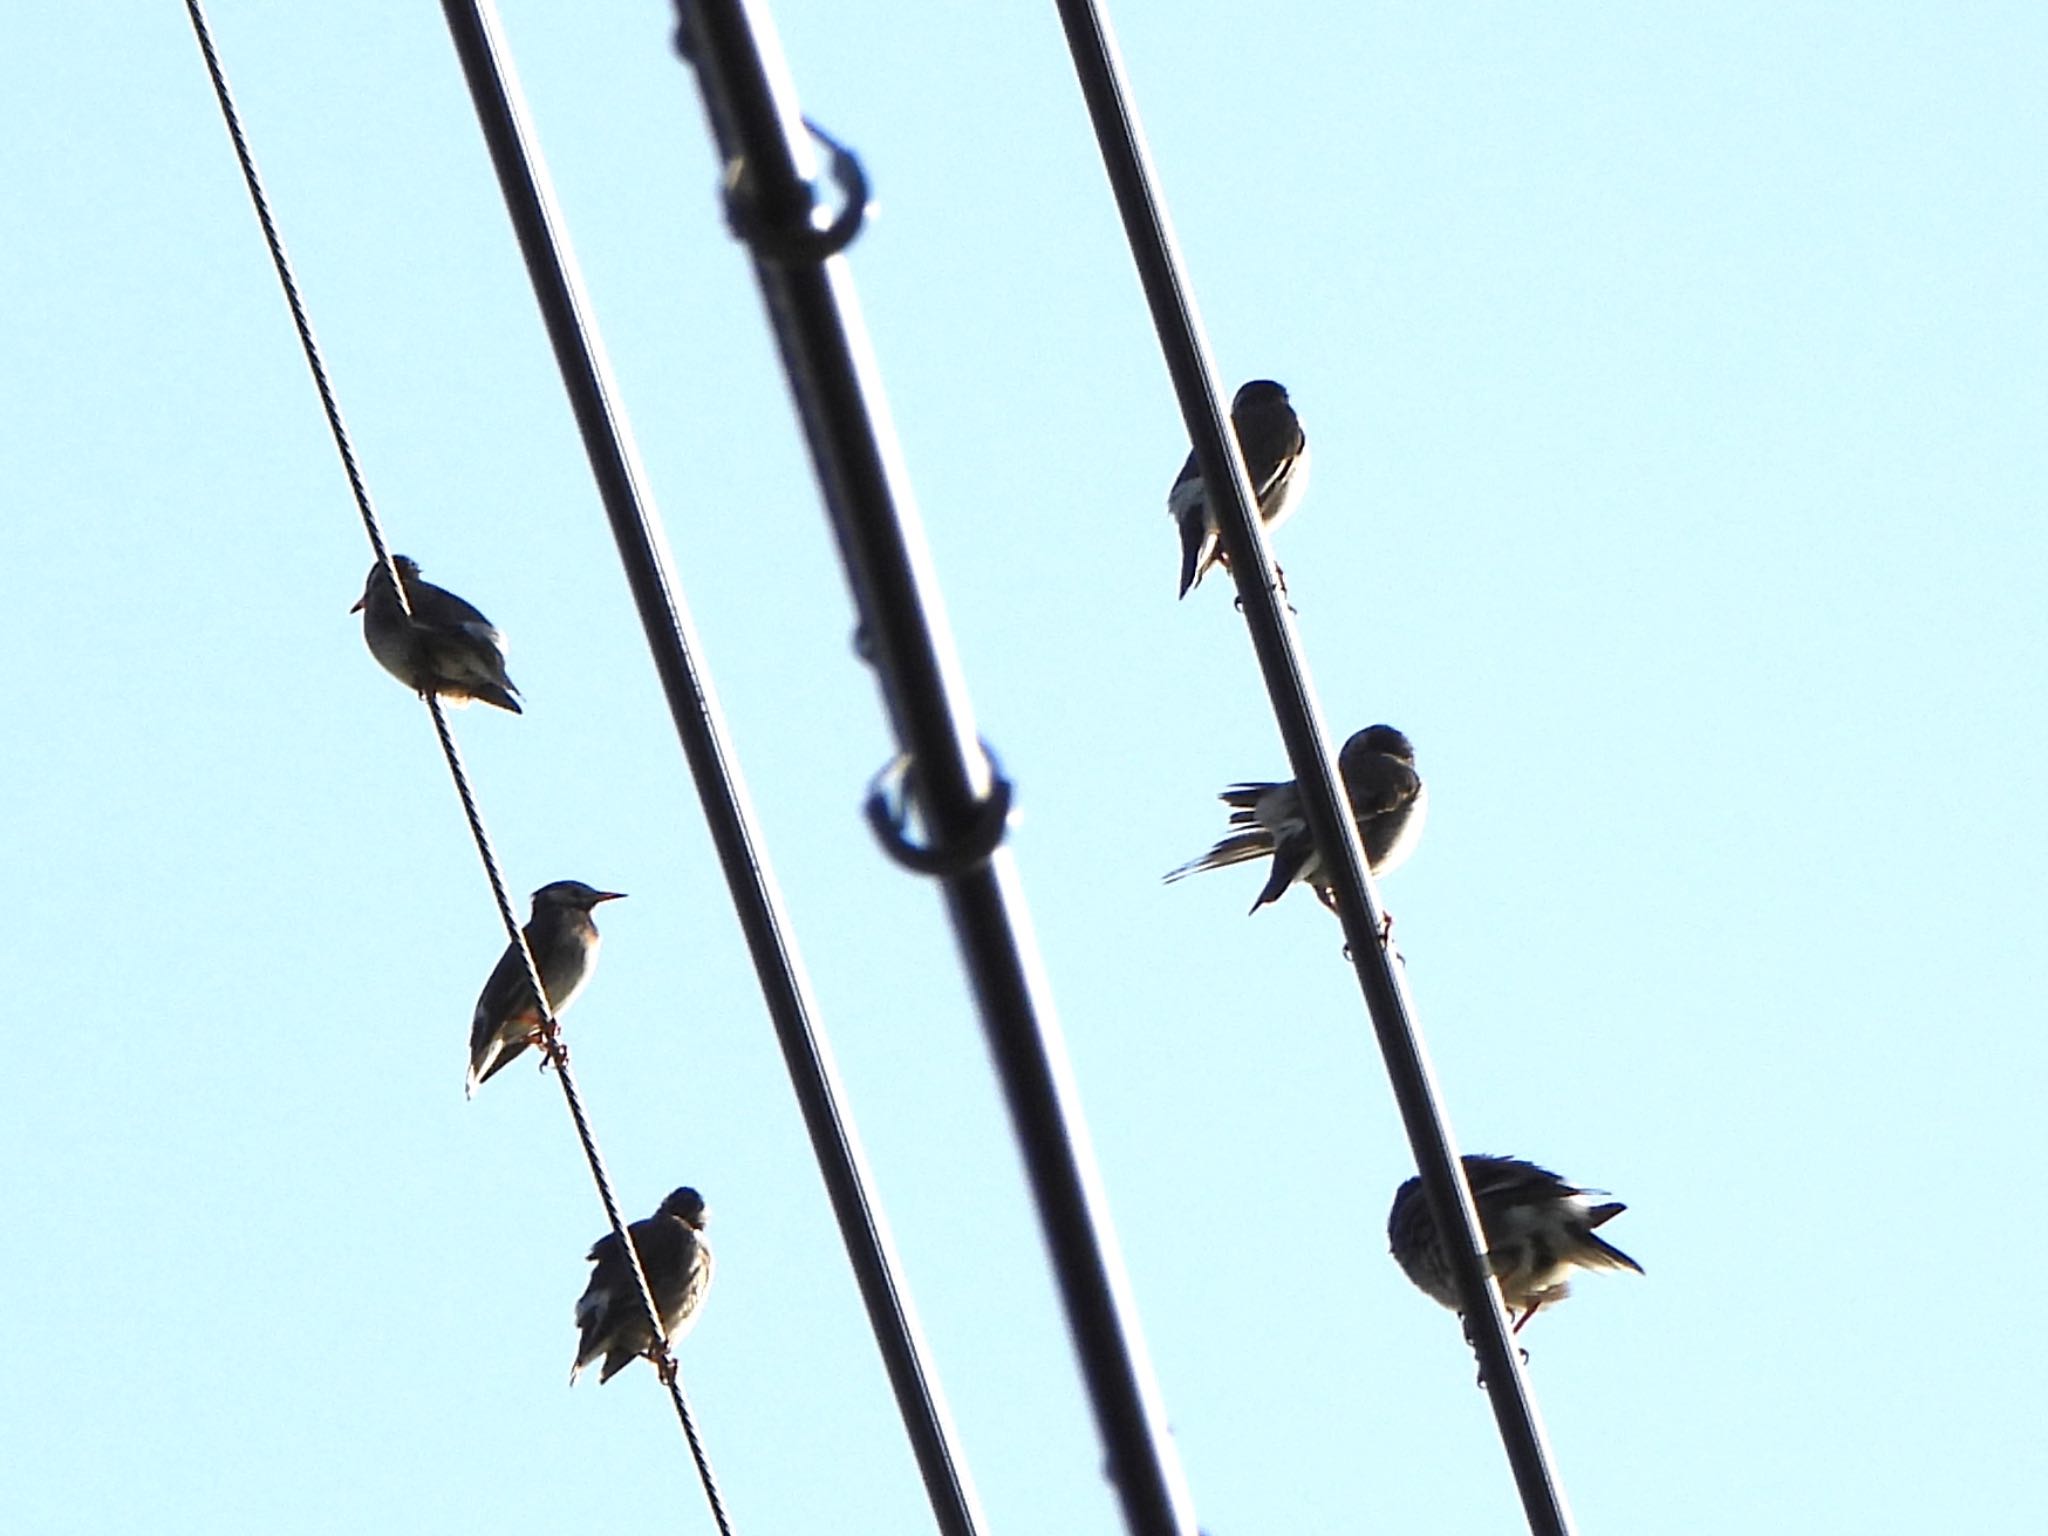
{"x": 1252, "y": 843}
{"x": 501, "y": 1054}
{"x": 1603, "y": 1254}
{"x": 1244, "y": 800}
{"x": 491, "y": 693}
{"x": 589, "y": 1311}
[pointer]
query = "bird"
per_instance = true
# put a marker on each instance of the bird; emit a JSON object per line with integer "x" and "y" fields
{"x": 677, "y": 1262}
{"x": 446, "y": 647}
{"x": 1388, "y": 800}
{"x": 1276, "y": 455}
{"x": 564, "y": 942}
{"x": 1537, "y": 1228}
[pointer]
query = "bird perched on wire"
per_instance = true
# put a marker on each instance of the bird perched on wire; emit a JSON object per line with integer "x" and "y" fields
{"x": 1537, "y": 1229}
{"x": 1388, "y": 801}
{"x": 446, "y": 647}
{"x": 564, "y": 942}
{"x": 1276, "y": 455}
{"x": 677, "y": 1262}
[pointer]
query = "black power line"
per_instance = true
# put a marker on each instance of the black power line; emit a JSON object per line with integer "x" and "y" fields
{"x": 671, "y": 636}
{"x": 1100, "y": 70}
{"x": 944, "y": 773}
{"x": 551, "y": 1030}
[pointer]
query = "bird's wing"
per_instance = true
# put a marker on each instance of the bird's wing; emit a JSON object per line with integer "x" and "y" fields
{"x": 482, "y": 633}
{"x": 1376, "y": 783}
{"x": 697, "y": 1279}
{"x": 1292, "y": 856}
{"x": 506, "y": 993}
{"x": 1512, "y": 1178}
{"x": 1186, "y": 495}
{"x": 443, "y": 609}
{"x": 1268, "y": 473}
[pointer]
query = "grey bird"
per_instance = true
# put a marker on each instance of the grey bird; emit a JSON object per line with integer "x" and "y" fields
{"x": 677, "y": 1262}
{"x": 445, "y": 648}
{"x": 564, "y": 942}
{"x": 1388, "y": 800}
{"x": 1276, "y": 456}
{"x": 1537, "y": 1228}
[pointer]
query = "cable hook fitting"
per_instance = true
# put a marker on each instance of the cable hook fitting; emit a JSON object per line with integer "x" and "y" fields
{"x": 888, "y": 811}
{"x": 802, "y": 244}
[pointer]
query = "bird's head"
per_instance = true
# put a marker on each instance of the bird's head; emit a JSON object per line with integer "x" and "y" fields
{"x": 1381, "y": 738}
{"x": 408, "y": 568}
{"x": 688, "y": 1207}
{"x": 572, "y": 896}
{"x": 1258, "y": 395}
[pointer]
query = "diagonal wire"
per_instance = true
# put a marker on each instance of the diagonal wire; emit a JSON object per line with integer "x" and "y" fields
{"x": 487, "y": 65}
{"x": 958, "y": 794}
{"x": 551, "y": 1030}
{"x": 1099, "y": 67}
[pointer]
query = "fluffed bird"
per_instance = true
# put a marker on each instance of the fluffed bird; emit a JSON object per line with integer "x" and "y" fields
{"x": 1276, "y": 455}
{"x": 445, "y": 648}
{"x": 564, "y": 942}
{"x": 1388, "y": 801}
{"x": 677, "y": 1262}
{"x": 1537, "y": 1228}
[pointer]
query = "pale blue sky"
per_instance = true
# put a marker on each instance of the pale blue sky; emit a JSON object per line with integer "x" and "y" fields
{"x": 1675, "y": 379}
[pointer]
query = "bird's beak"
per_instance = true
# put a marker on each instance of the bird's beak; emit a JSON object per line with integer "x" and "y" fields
{"x": 359, "y": 605}
{"x": 607, "y": 896}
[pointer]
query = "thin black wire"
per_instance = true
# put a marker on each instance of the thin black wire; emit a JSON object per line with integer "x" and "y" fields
{"x": 291, "y": 293}
{"x": 551, "y": 1030}
{"x": 629, "y": 505}
{"x": 763, "y": 145}
{"x": 1103, "y": 85}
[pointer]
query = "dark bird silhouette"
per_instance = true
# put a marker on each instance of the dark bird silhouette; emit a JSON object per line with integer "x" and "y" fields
{"x": 677, "y": 1262}
{"x": 1276, "y": 456}
{"x": 446, "y": 647}
{"x": 1388, "y": 801}
{"x": 564, "y": 942}
{"x": 1537, "y": 1228}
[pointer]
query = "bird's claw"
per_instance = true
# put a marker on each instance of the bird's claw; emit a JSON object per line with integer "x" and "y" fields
{"x": 1327, "y": 895}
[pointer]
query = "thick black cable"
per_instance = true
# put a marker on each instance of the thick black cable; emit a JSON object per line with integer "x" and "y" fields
{"x": 764, "y": 147}
{"x": 1103, "y": 85}
{"x": 551, "y": 1030}
{"x": 671, "y": 636}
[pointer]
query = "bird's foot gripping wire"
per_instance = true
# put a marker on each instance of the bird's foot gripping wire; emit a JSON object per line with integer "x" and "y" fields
{"x": 888, "y": 813}
{"x": 1327, "y": 895}
{"x": 1479, "y": 1380}
{"x": 1280, "y": 579}
{"x": 664, "y": 1363}
{"x": 554, "y": 1050}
